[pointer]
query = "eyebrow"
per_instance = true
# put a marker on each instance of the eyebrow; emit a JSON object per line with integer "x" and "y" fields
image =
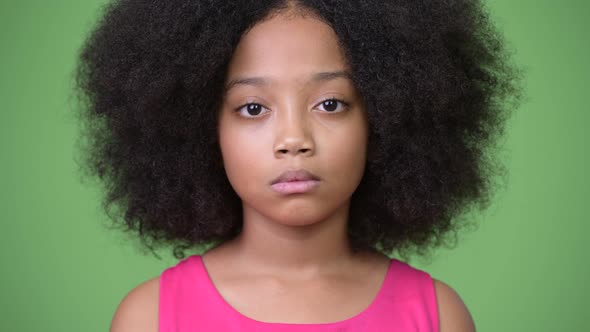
{"x": 315, "y": 78}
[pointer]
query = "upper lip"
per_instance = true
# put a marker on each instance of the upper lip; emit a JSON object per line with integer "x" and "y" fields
{"x": 295, "y": 175}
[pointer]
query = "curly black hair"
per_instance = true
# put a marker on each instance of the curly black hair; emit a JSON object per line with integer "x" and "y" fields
{"x": 436, "y": 78}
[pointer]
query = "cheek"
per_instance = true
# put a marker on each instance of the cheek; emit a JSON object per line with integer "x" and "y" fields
{"x": 240, "y": 152}
{"x": 348, "y": 153}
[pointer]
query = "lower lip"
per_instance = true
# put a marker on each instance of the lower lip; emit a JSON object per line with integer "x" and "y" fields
{"x": 295, "y": 187}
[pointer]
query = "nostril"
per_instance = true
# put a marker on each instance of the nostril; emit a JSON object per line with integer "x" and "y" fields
{"x": 286, "y": 151}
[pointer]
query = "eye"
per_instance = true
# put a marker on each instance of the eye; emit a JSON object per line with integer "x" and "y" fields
{"x": 251, "y": 110}
{"x": 332, "y": 105}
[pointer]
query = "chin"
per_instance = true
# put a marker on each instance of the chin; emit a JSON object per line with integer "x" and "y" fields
{"x": 304, "y": 210}
{"x": 294, "y": 216}
{"x": 298, "y": 215}
{"x": 298, "y": 221}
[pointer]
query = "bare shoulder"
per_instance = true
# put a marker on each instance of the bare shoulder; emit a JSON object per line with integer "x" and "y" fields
{"x": 452, "y": 312}
{"x": 138, "y": 311}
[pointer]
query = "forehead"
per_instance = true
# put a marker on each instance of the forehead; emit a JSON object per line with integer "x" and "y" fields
{"x": 287, "y": 47}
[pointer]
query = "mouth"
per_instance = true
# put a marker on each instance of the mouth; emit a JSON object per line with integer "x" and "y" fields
{"x": 295, "y": 182}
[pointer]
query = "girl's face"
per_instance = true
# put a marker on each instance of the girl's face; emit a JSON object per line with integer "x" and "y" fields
{"x": 290, "y": 105}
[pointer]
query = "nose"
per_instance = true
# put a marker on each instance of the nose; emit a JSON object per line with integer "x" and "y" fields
{"x": 294, "y": 135}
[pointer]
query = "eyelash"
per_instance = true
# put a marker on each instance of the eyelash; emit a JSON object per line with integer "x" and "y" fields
{"x": 341, "y": 102}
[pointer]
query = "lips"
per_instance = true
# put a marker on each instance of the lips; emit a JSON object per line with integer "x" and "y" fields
{"x": 295, "y": 175}
{"x": 295, "y": 182}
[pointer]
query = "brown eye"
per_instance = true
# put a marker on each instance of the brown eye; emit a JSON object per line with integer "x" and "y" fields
{"x": 251, "y": 110}
{"x": 332, "y": 105}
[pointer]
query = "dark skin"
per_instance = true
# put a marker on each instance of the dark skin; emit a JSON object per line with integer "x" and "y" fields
{"x": 293, "y": 247}
{"x": 294, "y": 130}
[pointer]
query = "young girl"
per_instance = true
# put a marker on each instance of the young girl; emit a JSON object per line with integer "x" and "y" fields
{"x": 303, "y": 143}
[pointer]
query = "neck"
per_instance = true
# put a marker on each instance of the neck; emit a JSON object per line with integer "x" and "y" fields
{"x": 307, "y": 249}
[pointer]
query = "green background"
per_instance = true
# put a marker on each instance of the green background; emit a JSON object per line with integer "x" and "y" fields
{"x": 526, "y": 268}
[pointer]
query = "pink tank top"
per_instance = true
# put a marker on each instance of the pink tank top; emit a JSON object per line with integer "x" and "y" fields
{"x": 189, "y": 301}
